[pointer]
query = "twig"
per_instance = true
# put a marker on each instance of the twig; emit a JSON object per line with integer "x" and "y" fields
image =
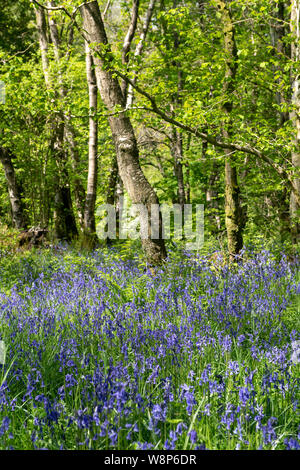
{"x": 106, "y": 8}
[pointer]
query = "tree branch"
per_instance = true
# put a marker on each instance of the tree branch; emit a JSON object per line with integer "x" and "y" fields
{"x": 52, "y": 8}
{"x": 139, "y": 47}
{"x": 70, "y": 15}
{"x": 213, "y": 140}
{"x": 210, "y": 139}
{"x": 128, "y": 39}
{"x": 131, "y": 32}
{"x": 106, "y": 8}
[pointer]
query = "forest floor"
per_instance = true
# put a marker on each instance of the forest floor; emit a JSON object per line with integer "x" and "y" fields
{"x": 98, "y": 352}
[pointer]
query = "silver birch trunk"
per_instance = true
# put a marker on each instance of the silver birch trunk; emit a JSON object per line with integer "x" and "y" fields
{"x": 89, "y": 210}
{"x": 295, "y": 116}
{"x": 19, "y": 217}
{"x": 69, "y": 131}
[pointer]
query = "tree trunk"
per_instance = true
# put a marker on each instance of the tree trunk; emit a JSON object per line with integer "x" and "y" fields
{"x": 177, "y": 144}
{"x": 177, "y": 151}
{"x": 233, "y": 211}
{"x": 295, "y": 115}
{"x": 19, "y": 217}
{"x": 187, "y": 172}
{"x": 128, "y": 40}
{"x": 69, "y": 131}
{"x": 90, "y": 236}
{"x": 64, "y": 221}
{"x": 135, "y": 182}
{"x": 111, "y": 197}
{"x": 114, "y": 179}
{"x": 65, "y": 226}
{"x": 127, "y": 91}
{"x": 78, "y": 189}
{"x": 277, "y": 31}
{"x": 280, "y": 48}
{"x": 212, "y": 198}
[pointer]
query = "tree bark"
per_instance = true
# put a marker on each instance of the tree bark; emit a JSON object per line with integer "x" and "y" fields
{"x": 177, "y": 151}
{"x": 177, "y": 144}
{"x": 233, "y": 211}
{"x": 69, "y": 131}
{"x": 128, "y": 40}
{"x": 90, "y": 235}
{"x": 15, "y": 191}
{"x": 212, "y": 197}
{"x": 280, "y": 198}
{"x": 114, "y": 179}
{"x": 112, "y": 194}
{"x": 135, "y": 182}
{"x": 280, "y": 48}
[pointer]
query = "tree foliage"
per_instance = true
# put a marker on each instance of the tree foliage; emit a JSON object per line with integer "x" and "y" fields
{"x": 176, "y": 72}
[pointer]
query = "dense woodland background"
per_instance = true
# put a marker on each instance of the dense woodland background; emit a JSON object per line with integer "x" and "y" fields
{"x": 127, "y": 345}
{"x": 169, "y": 100}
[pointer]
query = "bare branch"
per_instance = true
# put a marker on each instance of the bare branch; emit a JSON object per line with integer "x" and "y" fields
{"x": 128, "y": 39}
{"x": 70, "y": 15}
{"x": 213, "y": 140}
{"x": 106, "y": 8}
{"x": 131, "y": 32}
{"x": 52, "y": 8}
{"x": 139, "y": 47}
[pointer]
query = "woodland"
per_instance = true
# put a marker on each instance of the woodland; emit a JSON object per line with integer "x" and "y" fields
{"x": 143, "y": 344}
{"x": 203, "y": 95}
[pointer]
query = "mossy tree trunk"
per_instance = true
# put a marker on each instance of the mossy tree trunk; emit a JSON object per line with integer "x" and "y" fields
{"x": 234, "y": 214}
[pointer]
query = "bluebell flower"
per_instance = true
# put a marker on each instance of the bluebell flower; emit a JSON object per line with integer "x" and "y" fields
{"x": 145, "y": 445}
{"x": 180, "y": 427}
{"x": 292, "y": 444}
{"x": 5, "y": 425}
{"x": 268, "y": 431}
{"x": 159, "y": 413}
{"x": 193, "y": 436}
{"x": 244, "y": 396}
